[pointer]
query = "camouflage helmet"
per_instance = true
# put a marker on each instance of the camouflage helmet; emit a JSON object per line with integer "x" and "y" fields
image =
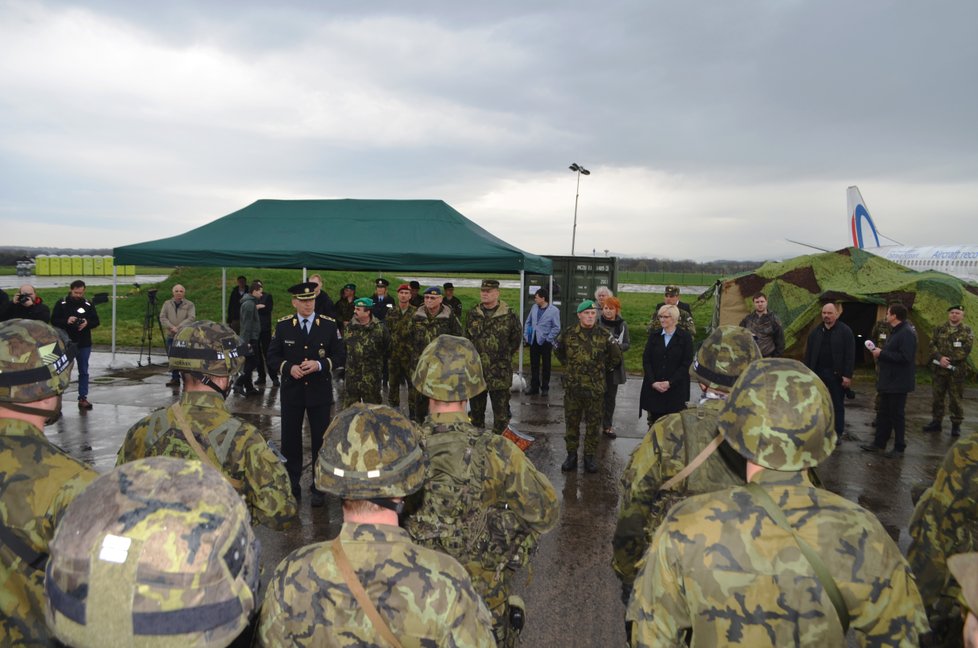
{"x": 207, "y": 347}
{"x": 368, "y": 452}
{"x": 449, "y": 370}
{"x": 35, "y": 361}
{"x": 723, "y": 356}
{"x": 779, "y": 415}
{"x": 158, "y": 552}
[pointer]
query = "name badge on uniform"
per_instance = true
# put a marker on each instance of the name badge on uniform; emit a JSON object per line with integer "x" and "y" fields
{"x": 957, "y": 344}
{"x": 288, "y": 342}
{"x": 322, "y": 352}
{"x": 882, "y": 336}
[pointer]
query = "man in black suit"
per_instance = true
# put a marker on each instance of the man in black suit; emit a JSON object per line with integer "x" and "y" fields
{"x": 831, "y": 353}
{"x": 897, "y": 377}
{"x": 306, "y": 347}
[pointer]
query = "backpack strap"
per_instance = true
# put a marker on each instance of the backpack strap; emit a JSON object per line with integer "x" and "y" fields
{"x": 762, "y": 498}
{"x": 34, "y": 560}
{"x": 695, "y": 463}
{"x": 188, "y": 435}
{"x": 346, "y": 569}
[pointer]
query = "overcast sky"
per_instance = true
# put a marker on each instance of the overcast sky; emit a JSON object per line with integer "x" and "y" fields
{"x": 712, "y": 129}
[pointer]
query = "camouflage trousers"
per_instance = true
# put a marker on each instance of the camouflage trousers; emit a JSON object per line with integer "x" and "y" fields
{"x": 587, "y": 405}
{"x": 493, "y": 587}
{"x": 365, "y": 391}
{"x": 399, "y": 372}
{"x": 500, "y": 409}
{"x": 948, "y": 384}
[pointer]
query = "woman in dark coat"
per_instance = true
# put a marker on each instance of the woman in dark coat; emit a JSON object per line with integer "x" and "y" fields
{"x": 665, "y": 388}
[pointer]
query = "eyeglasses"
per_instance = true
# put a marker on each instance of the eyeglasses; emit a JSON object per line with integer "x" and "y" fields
{"x": 665, "y": 316}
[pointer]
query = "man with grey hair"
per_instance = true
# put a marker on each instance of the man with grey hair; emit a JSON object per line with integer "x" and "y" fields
{"x": 175, "y": 313}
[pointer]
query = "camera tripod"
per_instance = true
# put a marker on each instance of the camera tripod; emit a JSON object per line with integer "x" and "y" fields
{"x": 146, "y": 342}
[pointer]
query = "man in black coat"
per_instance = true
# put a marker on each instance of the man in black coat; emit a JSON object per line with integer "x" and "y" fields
{"x": 306, "y": 347}
{"x": 77, "y": 316}
{"x": 26, "y": 304}
{"x": 265, "y": 305}
{"x": 897, "y": 377}
{"x": 831, "y": 353}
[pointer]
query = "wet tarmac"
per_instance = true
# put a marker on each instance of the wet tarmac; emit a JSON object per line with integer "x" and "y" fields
{"x": 572, "y": 595}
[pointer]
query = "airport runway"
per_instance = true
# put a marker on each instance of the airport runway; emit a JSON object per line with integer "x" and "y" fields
{"x": 571, "y": 593}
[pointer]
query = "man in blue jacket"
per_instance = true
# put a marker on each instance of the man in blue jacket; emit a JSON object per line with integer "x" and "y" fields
{"x": 540, "y": 331}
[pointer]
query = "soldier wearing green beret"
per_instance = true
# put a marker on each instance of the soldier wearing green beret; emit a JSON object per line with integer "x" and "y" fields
{"x": 158, "y": 552}
{"x": 484, "y": 501}
{"x": 950, "y": 346}
{"x": 778, "y": 562}
{"x": 401, "y": 365}
{"x": 495, "y": 332}
{"x": 200, "y": 425}
{"x": 372, "y": 586}
{"x": 38, "y": 480}
{"x": 587, "y": 352}
{"x": 367, "y": 343}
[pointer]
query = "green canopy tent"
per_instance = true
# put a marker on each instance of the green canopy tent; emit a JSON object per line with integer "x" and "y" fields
{"x": 862, "y": 282}
{"x": 382, "y": 235}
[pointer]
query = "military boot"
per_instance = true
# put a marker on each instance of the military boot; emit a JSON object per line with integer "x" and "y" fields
{"x": 590, "y": 465}
{"x": 955, "y": 429}
{"x": 933, "y": 426}
{"x": 570, "y": 463}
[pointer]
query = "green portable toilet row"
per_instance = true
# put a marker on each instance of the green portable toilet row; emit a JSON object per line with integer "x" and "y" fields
{"x": 54, "y": 265}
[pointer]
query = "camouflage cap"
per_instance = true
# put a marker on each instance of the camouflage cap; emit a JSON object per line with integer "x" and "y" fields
{"x": 35, "y": 361}
{"x": 207, "y": 347}
{"x": 779, "y": 415}
{"x": 671, "y": 290}
{"x": 368, "y": 452}
{"x": 158, "y": 552}
{"x": 449, "y": 370}
{"x": 964, "y": 568}
{"x": 723, "y": 356}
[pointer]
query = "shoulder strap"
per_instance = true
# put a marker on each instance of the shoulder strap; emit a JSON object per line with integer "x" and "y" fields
{"x": 695, "y": 463}
{"x": 762, "y": 498}
{"x": 33, "y": 559}
{"x": 198, "y": 450}
{"x": 361, "y": 595}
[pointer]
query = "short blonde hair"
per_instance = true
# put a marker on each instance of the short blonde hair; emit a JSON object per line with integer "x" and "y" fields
{"x": 670, "y": 309}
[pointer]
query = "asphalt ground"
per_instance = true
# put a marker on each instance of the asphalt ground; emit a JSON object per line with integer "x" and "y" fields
{"x": 572, "y": 595}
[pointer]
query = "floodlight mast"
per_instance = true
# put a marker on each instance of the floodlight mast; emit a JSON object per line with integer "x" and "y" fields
{"x": 579, "y": 170}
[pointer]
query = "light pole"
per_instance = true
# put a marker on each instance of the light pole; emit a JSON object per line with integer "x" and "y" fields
{"x": 579, "y": 170}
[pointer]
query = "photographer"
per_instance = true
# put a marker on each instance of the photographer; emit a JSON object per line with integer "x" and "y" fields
{"x": 77, "y": 316}
{"x": 27, "y": 305}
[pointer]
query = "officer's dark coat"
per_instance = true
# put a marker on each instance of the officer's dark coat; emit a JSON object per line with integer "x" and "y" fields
{"x": 290, "y": 346}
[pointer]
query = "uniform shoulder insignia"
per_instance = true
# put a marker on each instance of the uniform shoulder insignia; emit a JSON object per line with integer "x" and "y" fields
{"x": 326, "y": 317}
{"x": 282, "y": 319}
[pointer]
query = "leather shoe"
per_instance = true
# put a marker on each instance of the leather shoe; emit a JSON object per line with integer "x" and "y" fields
{"x": 869, "y": 447}
{"x": 317, "y": 499}
{"x": 175, "y": 382}
{"x": 532, "y": 391}
{"x": 239, "y": 390}
{"x": 570, "y": 463}
{"x": 894, "y": 454}
{"x": 251, "y": 391}
{"x": 83, "y": 404}
{"x": 933, "y": 426}
{"x": 260, "y": 381}
{"x": 275, "y": 382}
{"x": 590, "y": 465}
{"x": 955, "y": 429}
{"x": 609, "y": 433}
{"x": 544, "y": 392}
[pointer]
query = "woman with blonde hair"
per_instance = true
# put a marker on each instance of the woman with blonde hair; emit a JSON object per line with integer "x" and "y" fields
{"x": 665, "y": 361}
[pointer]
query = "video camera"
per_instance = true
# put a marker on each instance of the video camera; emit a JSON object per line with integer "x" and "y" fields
{"x": 151, "y": 295}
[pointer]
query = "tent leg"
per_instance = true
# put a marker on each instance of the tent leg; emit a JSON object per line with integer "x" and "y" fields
{"x": 522, "y": 317}
{"x": 224, "y": 295}
{"x": 115, "y": 281}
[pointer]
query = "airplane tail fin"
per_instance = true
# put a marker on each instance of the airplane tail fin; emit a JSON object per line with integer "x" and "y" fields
{"x": 858, "y": 215}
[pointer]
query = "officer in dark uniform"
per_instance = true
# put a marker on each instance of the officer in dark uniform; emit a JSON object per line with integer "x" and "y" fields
{"x": 383, "y": 302}
{"x": 305, "y": 348}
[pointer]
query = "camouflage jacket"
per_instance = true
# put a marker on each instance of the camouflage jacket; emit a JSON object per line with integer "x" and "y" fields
{"x": 516, "y": 503}
{"x": 587, "y": 354}
{"x": 366, "y": 346}
{"x": 707, "y": 571}
{"x": 238, "y": 447}
{"x": 944, "y": 523}
{"x": 880, "y": 333}
{"x": 344, "y": 313}
{"x": 686, "y": 321}
{"x": 398, "y": 322}
{"x": 955, "y": 342}
{"x": 425, "y": 596}
{"x": 496, "y": 336}
{"x": 425, "y": 328}
{"x": 37, "y": 482}
{"x": 670, "y": 445}
{"x": 767, "y": 332}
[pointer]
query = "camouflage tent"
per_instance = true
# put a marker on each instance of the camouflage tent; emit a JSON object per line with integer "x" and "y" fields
{"x": 864, "y": 283}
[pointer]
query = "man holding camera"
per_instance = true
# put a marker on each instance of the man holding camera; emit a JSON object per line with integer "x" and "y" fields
{"x": 27, "y": 305}
{"x": 77, "y": 316}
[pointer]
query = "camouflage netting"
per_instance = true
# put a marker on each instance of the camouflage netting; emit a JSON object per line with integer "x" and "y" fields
{"x": 856, "y": 278}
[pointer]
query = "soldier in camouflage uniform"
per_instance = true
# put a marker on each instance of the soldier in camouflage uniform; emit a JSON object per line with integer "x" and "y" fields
{"x": 945, "y": 522}
{"x": 371, "y": 586}
{"x": 37, "y": 479}
{"x": 496, "y": 332}
{"x": 345, "y": 305}
{"x": 685, "y": 321}
{"x": 964, "y": 568}
{"x": 685, "y": 444}
{"x": 430, "y": 320}
{"x": 727, "y": 566}
{"x": 587, "y": 352}
{"x": 158, "y": 552}
{"x": 402, "y": 349}
{"x": 200, "y": 426}
{"x": 484, "y": 502}
{"x": 367, "y": 342}
{"x": 765, "y": 327}
{"x": 950, "y": 346}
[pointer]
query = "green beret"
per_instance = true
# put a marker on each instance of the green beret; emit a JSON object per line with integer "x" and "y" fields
{"x": 366, "y": 302}
{"x": 585, "y": 305}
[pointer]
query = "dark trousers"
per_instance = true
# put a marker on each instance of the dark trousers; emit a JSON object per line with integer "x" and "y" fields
{"x": 252, "y": 362}
{"x": 610, "y": 396}
{"x": 292, "y": 419}
{"x": 892, "y": 416}
{"x": 264, "y": 339}
{"x": 838, "y": 394}
{"x": 540, "y": 365}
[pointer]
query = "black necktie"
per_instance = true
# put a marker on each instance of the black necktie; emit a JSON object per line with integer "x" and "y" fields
{"x": 305, "y": 326}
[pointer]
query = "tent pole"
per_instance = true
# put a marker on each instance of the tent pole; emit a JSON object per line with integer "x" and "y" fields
{"x": 115, "y": 280}
{"x": 522, "y": 317}
{"x": 224, "y": 295}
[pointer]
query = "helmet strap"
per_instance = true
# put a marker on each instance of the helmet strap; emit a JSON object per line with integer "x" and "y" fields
{"x": 204, "y": 379}
{"x": 397, "y": 507}
{"x": 50, "y": 415}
